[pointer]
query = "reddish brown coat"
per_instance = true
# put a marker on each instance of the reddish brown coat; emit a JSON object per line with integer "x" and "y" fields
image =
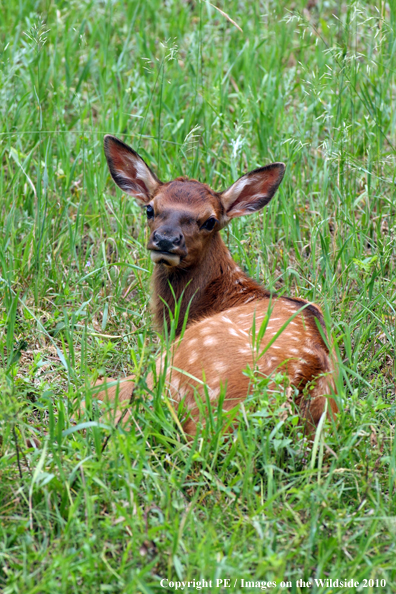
{"x": 192, "y": 262}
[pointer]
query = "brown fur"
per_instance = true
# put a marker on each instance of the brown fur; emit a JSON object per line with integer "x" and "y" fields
{"x": 219, "y": 348}
{"x": 217, "y": 344}
{"x": 215, "y": 284}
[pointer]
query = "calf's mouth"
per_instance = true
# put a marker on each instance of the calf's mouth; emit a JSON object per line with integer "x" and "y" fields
{"x": 166, "y": 258}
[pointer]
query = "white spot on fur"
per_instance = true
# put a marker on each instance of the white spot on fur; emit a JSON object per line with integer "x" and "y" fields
{"x": 243, "y": 332}
{"x": 309, "y": 351}
{"x": 192, "y": 358}
{"x": 227, "y": 320}
{"x": 221, "y": 367}
{"x": 206, "y": 331}
{"x": 175, "y": 385}
{"x": 213, "y": 394}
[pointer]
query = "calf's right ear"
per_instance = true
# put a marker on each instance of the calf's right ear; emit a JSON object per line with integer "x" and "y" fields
{"x": 129, "y": 171}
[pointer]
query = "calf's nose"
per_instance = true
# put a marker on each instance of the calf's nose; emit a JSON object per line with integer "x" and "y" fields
{"x": 165, "y": 241}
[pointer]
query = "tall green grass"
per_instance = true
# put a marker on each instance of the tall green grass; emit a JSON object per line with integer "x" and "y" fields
{"x": 309, "y": 84}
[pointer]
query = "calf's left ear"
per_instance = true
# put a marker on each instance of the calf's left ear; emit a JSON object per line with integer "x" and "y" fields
{"x": 252, "y": 191}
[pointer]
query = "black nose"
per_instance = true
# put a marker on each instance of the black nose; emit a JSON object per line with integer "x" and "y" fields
{"x": 166, "y": 241}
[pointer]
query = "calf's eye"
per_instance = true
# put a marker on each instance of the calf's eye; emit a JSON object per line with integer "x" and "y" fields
{"x": 150, "y": 212}
{"x": 209, "y": 224}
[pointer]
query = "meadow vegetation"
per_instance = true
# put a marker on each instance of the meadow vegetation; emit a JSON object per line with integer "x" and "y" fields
{"x": 312, "y": 84}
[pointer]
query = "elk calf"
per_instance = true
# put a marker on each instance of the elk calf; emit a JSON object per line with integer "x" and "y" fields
{"x": 194, "y": 265}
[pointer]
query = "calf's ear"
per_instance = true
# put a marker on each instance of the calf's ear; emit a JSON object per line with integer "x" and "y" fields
{"x": 252, "y": 191}
{"x": 129, "y": 171}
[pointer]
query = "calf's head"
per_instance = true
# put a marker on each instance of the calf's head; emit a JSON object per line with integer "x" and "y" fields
{"x": 184, "y": 215}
